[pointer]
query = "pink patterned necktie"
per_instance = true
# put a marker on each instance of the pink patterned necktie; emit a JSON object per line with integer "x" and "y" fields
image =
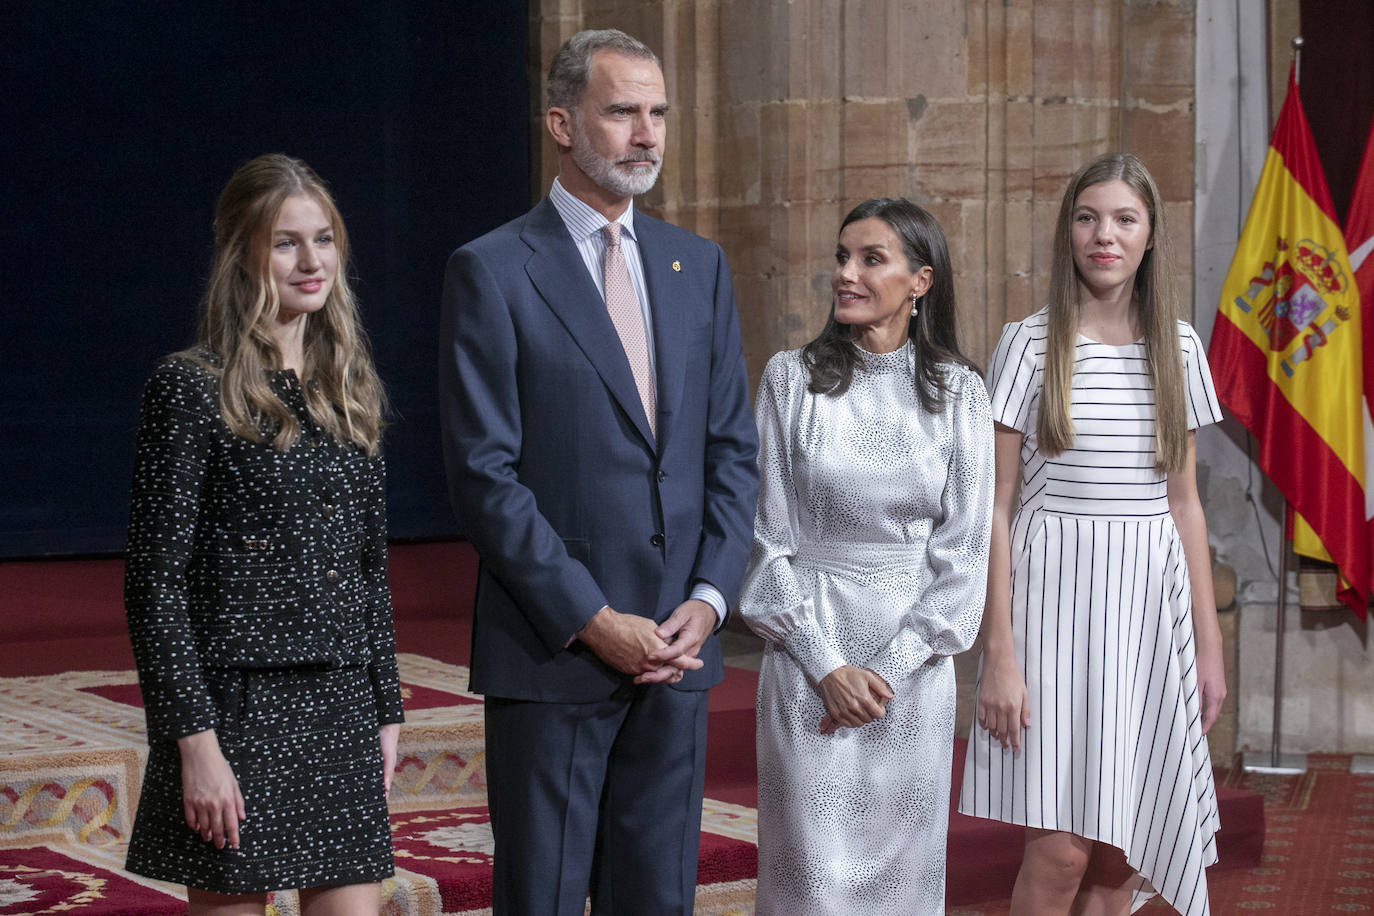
{"x": 623, "y": 306}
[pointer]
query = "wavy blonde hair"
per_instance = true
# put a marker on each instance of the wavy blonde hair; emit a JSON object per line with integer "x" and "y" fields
{"x": 344, "y": 394}
{"x": 1154, "y": 307}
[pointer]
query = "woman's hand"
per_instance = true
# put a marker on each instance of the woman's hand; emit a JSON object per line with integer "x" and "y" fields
{"x": 1211, "y": 678}
{"x": 1003, "y": 700}
{"x": 388, "y": 735}
{"x": 1185, "y": 507}
{"x": 853, "y": 697}
{"x": 209, "y": 792}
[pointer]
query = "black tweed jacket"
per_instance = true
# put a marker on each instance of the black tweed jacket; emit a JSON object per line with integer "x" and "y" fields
{"x": 242, "y": 556}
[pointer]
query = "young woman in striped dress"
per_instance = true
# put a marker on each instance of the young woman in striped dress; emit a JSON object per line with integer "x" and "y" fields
{"x": 1102, "y": 662}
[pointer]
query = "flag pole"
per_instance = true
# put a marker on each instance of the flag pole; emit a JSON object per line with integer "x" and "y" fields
{"x": 1276, "y": 758}
{"x": 1277, "y": 761}
{"x": 1280, "y": 762}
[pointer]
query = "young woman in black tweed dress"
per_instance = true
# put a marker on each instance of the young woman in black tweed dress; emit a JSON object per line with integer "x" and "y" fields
{"x": 255, "y": 586}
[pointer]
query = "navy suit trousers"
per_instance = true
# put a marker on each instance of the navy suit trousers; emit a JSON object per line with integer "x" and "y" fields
{"x": 634, "y": 762}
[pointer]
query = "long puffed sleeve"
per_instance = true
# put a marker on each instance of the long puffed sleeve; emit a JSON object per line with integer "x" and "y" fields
{"x": 947, "y": 613}
{"x": 773, "y": 602}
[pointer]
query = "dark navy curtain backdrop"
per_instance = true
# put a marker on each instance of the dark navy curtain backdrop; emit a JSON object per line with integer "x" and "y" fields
{"x": 120, "y": 122}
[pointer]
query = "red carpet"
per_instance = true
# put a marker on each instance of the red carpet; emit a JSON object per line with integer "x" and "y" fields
{"x": 83, "y": 599}
{"x": 455, "y": 846}
{"x": 432, "y": 585}
{"x": 43, "y": 881}
{"x": 442, "y": 841}
{"x": 1317, "y": 857}
{"x": 70, "y": 760}
{"x": 983, "y": 856}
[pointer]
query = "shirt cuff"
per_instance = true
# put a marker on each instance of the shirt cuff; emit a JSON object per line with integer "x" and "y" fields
{"x": 705, "y": 591}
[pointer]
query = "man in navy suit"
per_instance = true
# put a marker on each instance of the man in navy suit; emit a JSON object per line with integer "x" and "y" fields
{"x": 601, "y": 457}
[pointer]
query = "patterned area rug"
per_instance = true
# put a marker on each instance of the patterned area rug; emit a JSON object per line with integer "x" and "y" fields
{"x": 1318, "y": 855}
{"x": 71, "y": 761}
{"x": 72, "y": 751}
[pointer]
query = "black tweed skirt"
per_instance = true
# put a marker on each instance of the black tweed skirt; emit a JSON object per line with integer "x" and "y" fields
{"x": 303, "y": 745}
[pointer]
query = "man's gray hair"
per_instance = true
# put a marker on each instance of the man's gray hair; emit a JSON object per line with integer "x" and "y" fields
{"x": 572, "y": 65}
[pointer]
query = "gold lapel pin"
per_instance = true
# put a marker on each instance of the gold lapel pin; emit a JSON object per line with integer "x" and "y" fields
{"x": 677, "y": 265}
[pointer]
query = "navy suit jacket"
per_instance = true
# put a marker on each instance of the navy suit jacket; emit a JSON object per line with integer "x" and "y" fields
{"x": 552, "y": 470}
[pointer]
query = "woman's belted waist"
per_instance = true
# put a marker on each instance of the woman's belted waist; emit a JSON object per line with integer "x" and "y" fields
{"x": 863, "y": 561}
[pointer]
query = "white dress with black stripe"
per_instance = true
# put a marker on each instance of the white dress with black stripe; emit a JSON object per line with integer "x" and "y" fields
{"x": 1101, "y": 610}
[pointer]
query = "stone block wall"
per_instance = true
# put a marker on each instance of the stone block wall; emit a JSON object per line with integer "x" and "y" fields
{"x": 785, "y": 115}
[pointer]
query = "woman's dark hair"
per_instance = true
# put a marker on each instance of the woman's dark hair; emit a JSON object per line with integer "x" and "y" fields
{"x": 832, "y": 356}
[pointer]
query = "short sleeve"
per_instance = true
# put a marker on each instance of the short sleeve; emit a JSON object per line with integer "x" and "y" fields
{"x": 1199, "y": 390}
{"x": 1014, "y": 376}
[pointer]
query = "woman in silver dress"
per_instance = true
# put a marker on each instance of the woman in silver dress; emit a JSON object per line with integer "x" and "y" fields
{"x": 868, "y": 572}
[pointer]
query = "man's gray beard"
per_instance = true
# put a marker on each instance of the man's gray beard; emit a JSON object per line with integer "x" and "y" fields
{"x": 607, "y": 174}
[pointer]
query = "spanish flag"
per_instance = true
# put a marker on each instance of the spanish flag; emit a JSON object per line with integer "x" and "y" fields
{"x": 1286, "y": 352}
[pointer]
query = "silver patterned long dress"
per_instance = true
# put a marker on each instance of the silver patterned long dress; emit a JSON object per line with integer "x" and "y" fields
{"x": 870, "y": 549}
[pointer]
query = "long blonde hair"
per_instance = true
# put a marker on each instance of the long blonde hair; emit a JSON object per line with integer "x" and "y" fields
{"x": 344, "y": 395}
{"x": 1154, "y": 307}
